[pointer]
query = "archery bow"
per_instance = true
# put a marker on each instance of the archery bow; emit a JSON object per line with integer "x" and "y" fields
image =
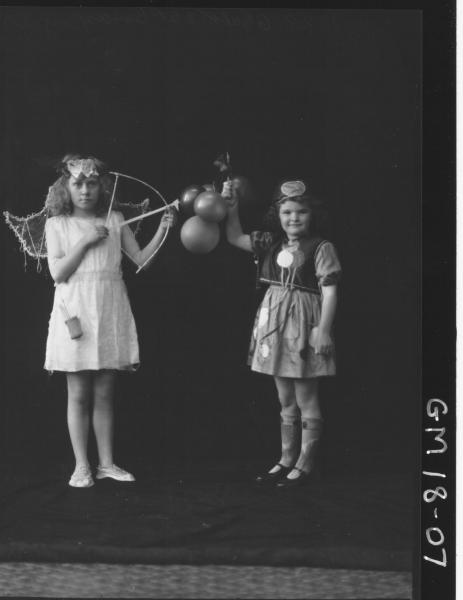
{"x": 166, "y": 206}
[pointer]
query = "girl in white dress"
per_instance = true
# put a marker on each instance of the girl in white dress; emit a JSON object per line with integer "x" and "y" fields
{"x": 92, "y": 332}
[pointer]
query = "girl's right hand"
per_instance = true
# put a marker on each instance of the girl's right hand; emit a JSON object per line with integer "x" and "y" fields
{"x": 96, "y": 235}
{"x": 229, "y": 193}
{"x": 321, "y": 341}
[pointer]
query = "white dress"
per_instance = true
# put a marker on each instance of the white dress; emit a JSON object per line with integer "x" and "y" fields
{"x": 97, "y": 295}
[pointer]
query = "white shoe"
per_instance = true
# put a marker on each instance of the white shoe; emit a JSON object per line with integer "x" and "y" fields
{"x": 82, "y": 477}
{"x": 114, "y": 472}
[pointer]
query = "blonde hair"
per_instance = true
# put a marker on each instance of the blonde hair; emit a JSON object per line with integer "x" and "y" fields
{"x": 58, "y": 201}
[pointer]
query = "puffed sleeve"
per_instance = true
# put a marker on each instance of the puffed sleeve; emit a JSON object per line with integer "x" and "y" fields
{"x": 327, "y": 265}
{"x": 55, "y": 249}
{"x": 261, "y": 241}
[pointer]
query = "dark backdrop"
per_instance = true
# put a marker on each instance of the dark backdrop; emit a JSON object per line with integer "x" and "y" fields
{"x": 333, "y": 96}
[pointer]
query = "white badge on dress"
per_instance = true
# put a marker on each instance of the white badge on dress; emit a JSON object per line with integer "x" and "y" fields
{"x": 285, "y": 259}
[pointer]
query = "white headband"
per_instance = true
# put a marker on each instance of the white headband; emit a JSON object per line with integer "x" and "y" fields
{"x": 293, "y": 188}
{"x": 82, "y": 166}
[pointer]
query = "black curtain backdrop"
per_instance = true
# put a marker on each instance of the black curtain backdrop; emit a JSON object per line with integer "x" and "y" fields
{"x": 330, "y": 95}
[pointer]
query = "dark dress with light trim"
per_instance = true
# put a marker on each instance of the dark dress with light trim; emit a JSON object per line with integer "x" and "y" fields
{"x": 284, "y": 325}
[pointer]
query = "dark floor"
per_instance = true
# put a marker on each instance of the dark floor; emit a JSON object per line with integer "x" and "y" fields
{"x": 209, "y": 514}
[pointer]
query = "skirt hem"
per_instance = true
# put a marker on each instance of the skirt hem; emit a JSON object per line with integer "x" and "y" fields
{"x": 290, "y": 375}
{"x": 127, "y": 368}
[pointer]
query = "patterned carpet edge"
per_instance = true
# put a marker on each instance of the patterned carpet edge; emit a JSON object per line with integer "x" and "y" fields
{"x": 177, "y": 581}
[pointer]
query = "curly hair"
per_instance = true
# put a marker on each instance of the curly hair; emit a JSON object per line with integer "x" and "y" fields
{"x": 318, "y": 212}
{"x": 58, "y": 201}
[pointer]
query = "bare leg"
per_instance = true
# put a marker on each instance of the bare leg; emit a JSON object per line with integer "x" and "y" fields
{"x": 79, "y": 396}
{"x": 103, "y": 415}
{"x": 307, "y": 398}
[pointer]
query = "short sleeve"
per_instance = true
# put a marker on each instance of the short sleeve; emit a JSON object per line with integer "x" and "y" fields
{"x": 327, "y": 265}
{"x": 261, "y": 241}
{"x": 55, "y": 249}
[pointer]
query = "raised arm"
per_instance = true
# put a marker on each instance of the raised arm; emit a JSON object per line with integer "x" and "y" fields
{"x": 233, "y": 228}
{"x": 63, "y": 265}
{"x": 130, "y": 244}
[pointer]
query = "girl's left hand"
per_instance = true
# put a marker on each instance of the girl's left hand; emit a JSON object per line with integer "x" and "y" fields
{"x": 169, "y": 219}
{"x": 323, "y": 343}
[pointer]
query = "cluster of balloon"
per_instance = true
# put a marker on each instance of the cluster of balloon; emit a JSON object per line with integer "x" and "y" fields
{"x": 200, "y": 233}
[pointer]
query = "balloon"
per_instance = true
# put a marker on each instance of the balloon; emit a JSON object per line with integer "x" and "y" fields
{"x": 187, "y": 198}
{"x": 210, "y": 187}
{"x": 210, "y": 206}
{"x": 243, "y": 188}
{"x": 199, "y": 236}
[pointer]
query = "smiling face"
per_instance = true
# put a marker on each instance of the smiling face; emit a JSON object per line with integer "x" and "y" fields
{"x": 294, "y": 219}
{"x": 85, "y": 192}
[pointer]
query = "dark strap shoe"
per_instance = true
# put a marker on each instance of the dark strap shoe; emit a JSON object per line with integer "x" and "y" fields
{"x": 270, "y": 478}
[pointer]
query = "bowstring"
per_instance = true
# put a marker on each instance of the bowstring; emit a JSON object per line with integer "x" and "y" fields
{"x": 112, "y": 201}
{"x": 117, "y": 175}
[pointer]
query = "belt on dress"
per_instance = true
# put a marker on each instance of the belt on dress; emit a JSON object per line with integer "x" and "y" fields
{"x": 95, "y": 276}
{"x": 290, "y": 286}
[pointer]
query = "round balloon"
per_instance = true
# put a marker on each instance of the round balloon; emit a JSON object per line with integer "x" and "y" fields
{"x": 199, "y": 236}
{"x": 243, "y": 188}
{"x": 187, "y": 198}
{"x": 210, "y": 206}
{"x": 210, "y": 187}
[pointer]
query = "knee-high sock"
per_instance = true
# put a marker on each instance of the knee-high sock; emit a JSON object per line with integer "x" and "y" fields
{"x": 310, "y": 441}
{"x": 290, "y": 434}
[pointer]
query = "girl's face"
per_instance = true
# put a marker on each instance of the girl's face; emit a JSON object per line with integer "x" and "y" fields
{"x": 85, "y": 192}
{"x": 294, "y": 219}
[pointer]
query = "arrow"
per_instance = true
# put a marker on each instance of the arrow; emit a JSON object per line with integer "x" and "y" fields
{"x": 175, "y": 204}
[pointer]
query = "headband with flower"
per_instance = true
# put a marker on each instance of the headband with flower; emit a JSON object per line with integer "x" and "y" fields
{"x": 82, "y": 166}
